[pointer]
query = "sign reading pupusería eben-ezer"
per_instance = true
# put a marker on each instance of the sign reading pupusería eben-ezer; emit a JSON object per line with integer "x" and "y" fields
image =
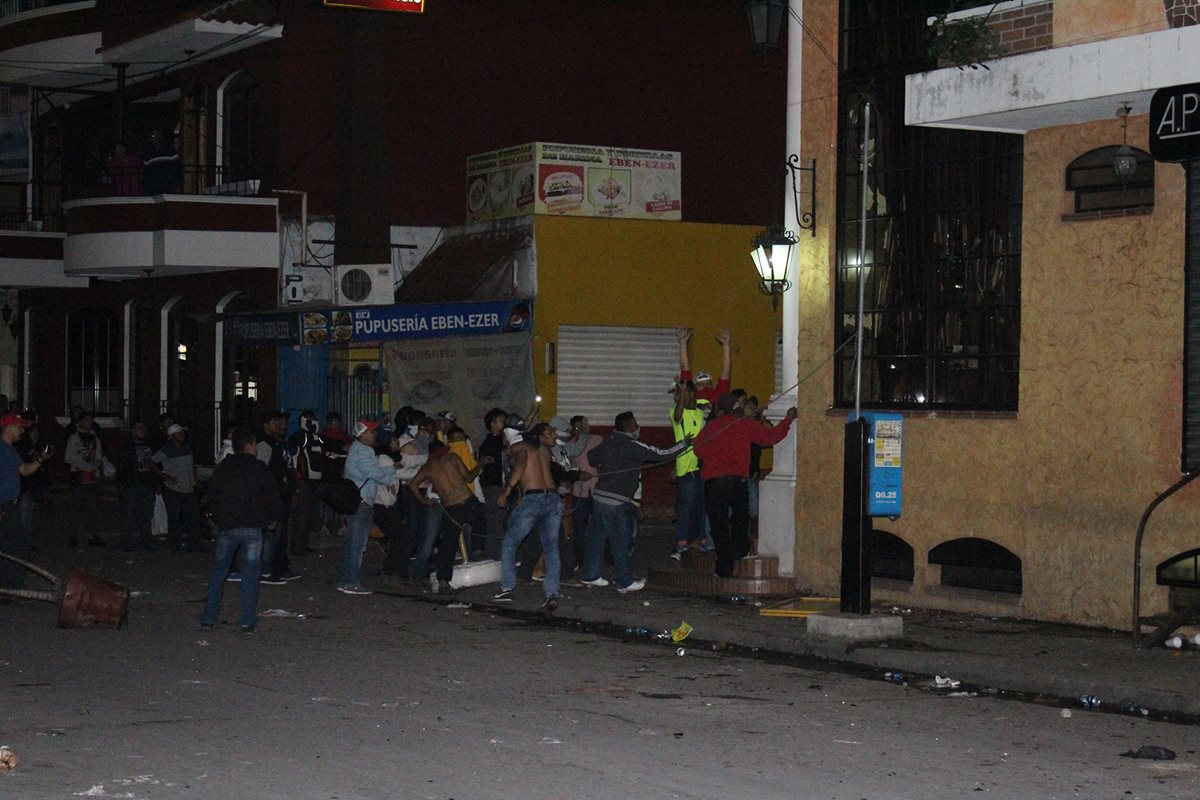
{"x": 1175, "y": 123}
{"x": 405, "y": 6}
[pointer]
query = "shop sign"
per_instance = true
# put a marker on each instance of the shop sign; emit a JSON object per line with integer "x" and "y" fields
{"x": 405, "y": 6}
{"x": 263, "y": 330}
{"x": 574, "y": 180}
{"x": 1175, "y": 123}
{"x": 417, "y": 321}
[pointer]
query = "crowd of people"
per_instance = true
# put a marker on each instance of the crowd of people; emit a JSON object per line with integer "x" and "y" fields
{"x": 552, "y": 501}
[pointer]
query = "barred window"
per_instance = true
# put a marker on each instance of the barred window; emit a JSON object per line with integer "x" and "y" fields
{"x": 941, "y": 267}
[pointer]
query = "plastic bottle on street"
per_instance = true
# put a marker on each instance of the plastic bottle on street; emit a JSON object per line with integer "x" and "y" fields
{"x": 1089, "y": 701}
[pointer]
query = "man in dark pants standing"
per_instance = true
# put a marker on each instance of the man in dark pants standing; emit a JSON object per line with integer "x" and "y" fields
{"x": 272, "y": 451}
{"x": 723, "y": 447}
{"x": 139, "y": 485}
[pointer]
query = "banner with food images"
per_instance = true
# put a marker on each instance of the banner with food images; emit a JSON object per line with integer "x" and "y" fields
{"x": 469, "y": 375}
{"x": 574, "y": 180}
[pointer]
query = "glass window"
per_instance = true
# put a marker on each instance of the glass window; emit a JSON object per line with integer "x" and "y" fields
{"x": 1098, "y": 188}
{"x": 93, "y": 361}
{"x": 239, "y": 111}
{"x": 941, "y": 266}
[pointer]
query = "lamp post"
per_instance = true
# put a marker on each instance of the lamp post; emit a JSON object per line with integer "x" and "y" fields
{"x": 766, "y": 18}
{"x": 774, "y": 250}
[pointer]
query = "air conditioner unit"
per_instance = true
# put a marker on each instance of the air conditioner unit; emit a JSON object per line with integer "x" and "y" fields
{"x": 363, "y": 285}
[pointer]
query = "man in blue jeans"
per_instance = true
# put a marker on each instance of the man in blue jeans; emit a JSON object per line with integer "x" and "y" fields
{"x": 244, "y": 502}
{"x": 618, "y": 461}
{"x": 364, "y": 469}
{"x": 539, "y": 507}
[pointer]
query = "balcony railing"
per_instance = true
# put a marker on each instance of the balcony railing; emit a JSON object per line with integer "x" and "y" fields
{"x": 138, "y": 181}
{"x": 10, "y": 7}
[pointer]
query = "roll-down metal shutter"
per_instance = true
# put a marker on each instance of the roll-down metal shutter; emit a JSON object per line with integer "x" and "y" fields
{"x": 605, "y": 370}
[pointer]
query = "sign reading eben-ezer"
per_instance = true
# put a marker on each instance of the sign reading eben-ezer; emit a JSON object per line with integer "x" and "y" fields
{"x": 1175, "y": 123}
{"x": 407, "y": 6}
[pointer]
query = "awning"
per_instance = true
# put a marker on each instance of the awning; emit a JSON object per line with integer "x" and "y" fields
{"x": 478, "y": 267}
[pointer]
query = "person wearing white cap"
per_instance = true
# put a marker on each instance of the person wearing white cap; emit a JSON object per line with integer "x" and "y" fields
{"x": 175, "y": 465}
{"x": 363, "y": 468}
{"x": 84, "y": 454}
{"x": 14, "y": 538}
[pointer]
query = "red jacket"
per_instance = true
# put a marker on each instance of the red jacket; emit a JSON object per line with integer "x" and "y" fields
{"x": 724, "y": 444}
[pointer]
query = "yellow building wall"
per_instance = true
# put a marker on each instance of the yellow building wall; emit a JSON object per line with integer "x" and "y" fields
{"x": 1063, "y": 482}
{"x": 1077, "y": 21}
{"x": 649, "y": 273}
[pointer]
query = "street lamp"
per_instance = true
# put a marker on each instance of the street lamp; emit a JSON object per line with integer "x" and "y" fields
{"x": 774, "y": 249}
{"x": 766, "y": 18}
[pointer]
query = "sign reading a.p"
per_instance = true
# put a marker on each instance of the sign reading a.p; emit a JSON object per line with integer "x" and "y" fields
{"x": 1175, "y": 123}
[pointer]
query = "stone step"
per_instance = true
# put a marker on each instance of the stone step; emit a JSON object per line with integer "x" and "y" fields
{"x": 674, "y": 576}
{"x": 748, "y": 567}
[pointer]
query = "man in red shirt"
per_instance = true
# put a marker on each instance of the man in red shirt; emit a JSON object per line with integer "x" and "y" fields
{"x": 724, "y": 450}
{"x": 705, "y": 390}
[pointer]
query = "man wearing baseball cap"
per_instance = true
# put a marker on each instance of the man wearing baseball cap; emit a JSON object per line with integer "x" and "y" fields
{"x": 13, "y": 535}
{"x": 363, "y": 468}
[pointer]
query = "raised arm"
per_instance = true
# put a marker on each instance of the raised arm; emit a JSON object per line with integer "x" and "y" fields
{"x": 682, "y": 335}
{"x": 726, "y": 354}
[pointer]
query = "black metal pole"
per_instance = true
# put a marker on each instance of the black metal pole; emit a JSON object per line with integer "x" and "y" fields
{"x": 856, "y": 523}
{"x": 121, "y": 102}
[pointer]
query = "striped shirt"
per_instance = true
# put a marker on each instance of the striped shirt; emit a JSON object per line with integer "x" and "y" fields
{"x": 176, "y": 462}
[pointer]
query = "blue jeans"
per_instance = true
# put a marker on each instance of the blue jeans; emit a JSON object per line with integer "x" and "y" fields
{"x": 615, "y": 526}
{"x": 358, "y": 530}
{"x": 543, "y": 511}
{"x": 691, "y": 523}
{"x": 428, "y": 534}
{"x": 246, "y": 544}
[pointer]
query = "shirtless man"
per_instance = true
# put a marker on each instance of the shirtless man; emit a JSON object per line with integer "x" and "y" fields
{"x": 450, "y": 476}
{"x": 540, "y": 506}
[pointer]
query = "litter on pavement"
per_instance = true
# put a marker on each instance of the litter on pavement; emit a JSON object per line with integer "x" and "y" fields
{"x": 1150, "y": 751}
{"x": 8, "y": 759}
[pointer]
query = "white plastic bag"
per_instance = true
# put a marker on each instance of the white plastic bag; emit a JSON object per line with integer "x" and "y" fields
{"x": 159, "y": 526}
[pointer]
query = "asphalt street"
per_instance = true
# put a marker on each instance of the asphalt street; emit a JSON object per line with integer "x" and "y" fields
{"x": 398, "y": 697}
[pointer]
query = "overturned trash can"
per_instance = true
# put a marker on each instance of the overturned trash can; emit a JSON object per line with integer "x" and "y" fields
{"x": 86, "y": 601}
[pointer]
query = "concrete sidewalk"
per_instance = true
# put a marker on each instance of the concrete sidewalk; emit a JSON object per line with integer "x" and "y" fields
{"x": 1014, "y": 658}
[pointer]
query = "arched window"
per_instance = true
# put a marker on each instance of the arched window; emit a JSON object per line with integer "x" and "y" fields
{"x": 237, "y": 109}
{"x": 973, "y": 563}
{"x": 891, "y": 557}
{"x": 93, "y": 361}
{"x": 1098, "y": 188}
{"x": 1182, "y": 570}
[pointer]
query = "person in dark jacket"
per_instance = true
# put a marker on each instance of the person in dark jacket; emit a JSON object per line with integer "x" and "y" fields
{"x": 618, "y": 460}
{"x": 244, "y": 500}
{"x": 139, "y": 485}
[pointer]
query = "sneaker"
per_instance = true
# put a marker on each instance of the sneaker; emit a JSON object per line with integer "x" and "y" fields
{"x": 596, "y": 584}
{"x": 537, "y": 578}
{"x": 95, "y": 541}
{"x": 247, "y": 629}
{"x": 704, "y": 547}
{"x": 289, "y": 576}
{"x": 503, "y": 596}
{"x": 551, "y": 603}
{"x": 444, "y": 587}
{"x": 636, "y": 586}
{"x": 206, "y": 626}
{"x": 356, "y": 589}
{"x": 272, "y": 580}
{"x": 233, "y": 577}
{"x": 679, "y": 551}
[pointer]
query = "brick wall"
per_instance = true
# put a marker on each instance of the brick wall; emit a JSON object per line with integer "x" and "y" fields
{"x": 1181, "y": 13}
{"x": 1025, "y": 29}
